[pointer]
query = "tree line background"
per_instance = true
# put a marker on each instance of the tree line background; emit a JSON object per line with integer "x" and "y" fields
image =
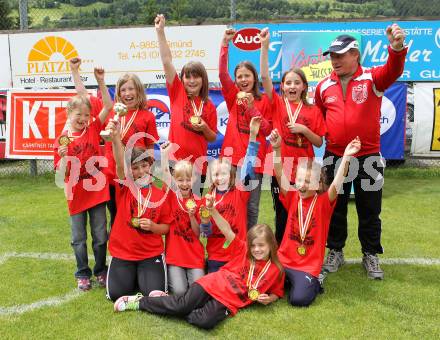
{"x": 49, "y": 14}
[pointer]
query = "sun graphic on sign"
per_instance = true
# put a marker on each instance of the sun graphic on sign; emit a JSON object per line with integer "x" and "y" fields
{"x": 52, "y": 49}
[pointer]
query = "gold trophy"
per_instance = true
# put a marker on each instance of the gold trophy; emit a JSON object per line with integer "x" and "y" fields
{"x": 120, "y": 111}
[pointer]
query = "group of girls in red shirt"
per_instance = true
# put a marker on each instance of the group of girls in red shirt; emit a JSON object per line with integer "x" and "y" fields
{"x": 244, "y": 263}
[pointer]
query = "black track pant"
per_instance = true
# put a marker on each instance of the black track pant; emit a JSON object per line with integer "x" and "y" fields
{"x": 195, "y": 305}
{"x": 129, "y": 277}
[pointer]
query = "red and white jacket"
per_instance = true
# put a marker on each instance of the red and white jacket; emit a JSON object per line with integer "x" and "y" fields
{"x": 358, "y": 114}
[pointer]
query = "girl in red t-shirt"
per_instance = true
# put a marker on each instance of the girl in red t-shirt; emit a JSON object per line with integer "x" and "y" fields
{"x": 184, "y": 253}
{"x": 244, "y": 101}
{"x": 138, "y": 123}
{"x": 300, "y": 124}
{"x": 143, "y": 216}
{"x": 193, "y": 116}
{"x": 254, "y": 275}
{"x": 309, "y": 212}
{"x": 78, "y": 162}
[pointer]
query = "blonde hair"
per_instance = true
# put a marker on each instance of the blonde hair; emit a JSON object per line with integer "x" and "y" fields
{"x": 76, "y": 102}
{"x": 141, "y": 98}
{"x": 266, "y": 232}
{"x": 183, "y": 168}
{"x": 214, "y": 165}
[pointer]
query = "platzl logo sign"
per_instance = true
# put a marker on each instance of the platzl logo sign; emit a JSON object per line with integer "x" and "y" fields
{"x": 50, "y": 55}
{"x": 247, "y": 39}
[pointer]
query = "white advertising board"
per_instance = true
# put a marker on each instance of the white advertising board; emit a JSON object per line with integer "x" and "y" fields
{"x": 5, "y": 62}
{"x": 41, "y": 59}
{"x": 426, "y": 130}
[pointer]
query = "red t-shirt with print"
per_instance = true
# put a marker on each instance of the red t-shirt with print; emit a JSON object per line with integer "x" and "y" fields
{"x": 134, "y": 244}
{"x": 232, "y": 205}
{"x": 237, "y": 130}
{"x": 91, "y": 188}
{"x": 193, "y": 144}
{"x": 316, "y": 236}
{"x": 293, "y": 145}
{"x": 229, "y": 285}
{"x": 182, "y": 246}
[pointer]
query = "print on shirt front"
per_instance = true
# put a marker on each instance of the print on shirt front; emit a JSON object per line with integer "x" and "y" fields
{"x": 295, "y": 140}
{"x": 294, "y": 229}
{"x": 187, "y": 113}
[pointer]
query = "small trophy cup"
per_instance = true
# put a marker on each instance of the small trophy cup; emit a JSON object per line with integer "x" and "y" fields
{"x": 120, "y": 111}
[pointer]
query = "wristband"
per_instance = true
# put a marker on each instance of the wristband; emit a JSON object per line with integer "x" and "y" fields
{"x": 206, "y": 229}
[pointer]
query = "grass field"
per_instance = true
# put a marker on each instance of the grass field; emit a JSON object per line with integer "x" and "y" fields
{"x": 34, "y": 219}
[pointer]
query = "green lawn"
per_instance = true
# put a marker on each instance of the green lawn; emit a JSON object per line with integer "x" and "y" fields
{"x": 34, "y": 219}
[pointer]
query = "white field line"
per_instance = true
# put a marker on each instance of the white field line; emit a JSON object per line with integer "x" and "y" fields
{"x": 52, "y": 301}
{"x": 70, "y": 257}
{"x": 58, "y": 300}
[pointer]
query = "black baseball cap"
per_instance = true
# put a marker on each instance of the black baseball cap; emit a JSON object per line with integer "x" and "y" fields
{"x": 342, "y": 44}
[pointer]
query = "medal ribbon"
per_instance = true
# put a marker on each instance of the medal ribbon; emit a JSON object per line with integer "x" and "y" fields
{"x": 294, "y": 117}
{"x": 125, "y": 127}
{"x": 197, "y": 112}
{"x": 70, "y": 133}
{"x": 142, "y": 206}
{"x": 221, "y": 199}
{"x": 304, "y": 225}
{"x": 260, "y": 276}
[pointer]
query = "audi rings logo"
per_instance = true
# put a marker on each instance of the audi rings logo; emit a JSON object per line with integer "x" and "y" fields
{"x": 437, "y": 38}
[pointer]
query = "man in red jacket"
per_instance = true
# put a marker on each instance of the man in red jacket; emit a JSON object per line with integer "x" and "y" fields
{"x": 350, "y": 100}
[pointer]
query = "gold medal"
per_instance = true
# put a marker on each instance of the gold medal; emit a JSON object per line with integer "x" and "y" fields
{"x": 190, "y": 204}
{"x": 304, "y": 225}
{"x": 204, "y": 212}
{"x": 253, "y": 294}
{"x": 241, "y": 97}
{"x": 301, "y": 250}
{"x": 299, "y": 141}
{"x": 135, "y": 222}
{"x": 194, "y": 120}
{"x": 64, "y": 140}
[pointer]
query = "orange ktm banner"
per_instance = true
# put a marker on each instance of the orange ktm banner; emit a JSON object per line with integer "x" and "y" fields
{"x": 34, "y": 120}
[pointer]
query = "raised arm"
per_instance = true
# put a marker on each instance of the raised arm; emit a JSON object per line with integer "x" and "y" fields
{"x": 352, "y": 148}
{"x": 74, "y": 64}
{"x": 247, "y": 169}
{"x": 264, "y": 63}
{"x": 106, "y": 99}
{"x": 384, "y": 76}
{"x": 164, "y": 49}
{"x": 117, "y": 146}
{"x": 225, "y": 78}
{"x": 221, "y": 222}
{"x": 283, "y": 181}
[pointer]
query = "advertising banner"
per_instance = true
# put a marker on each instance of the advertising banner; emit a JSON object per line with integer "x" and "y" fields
{"x": 422, "y": 39}
{"x": 34, "y": 119}
{"x": 5, "y": 62}
{"x": 42, "y": 59}
{"x": 304, "y": 50}
{"x": 426, "y": 130}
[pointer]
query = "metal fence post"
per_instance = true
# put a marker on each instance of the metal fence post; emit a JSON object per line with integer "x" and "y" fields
{"x": 233, "y": 16}
{"x": 23, "y": 12}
